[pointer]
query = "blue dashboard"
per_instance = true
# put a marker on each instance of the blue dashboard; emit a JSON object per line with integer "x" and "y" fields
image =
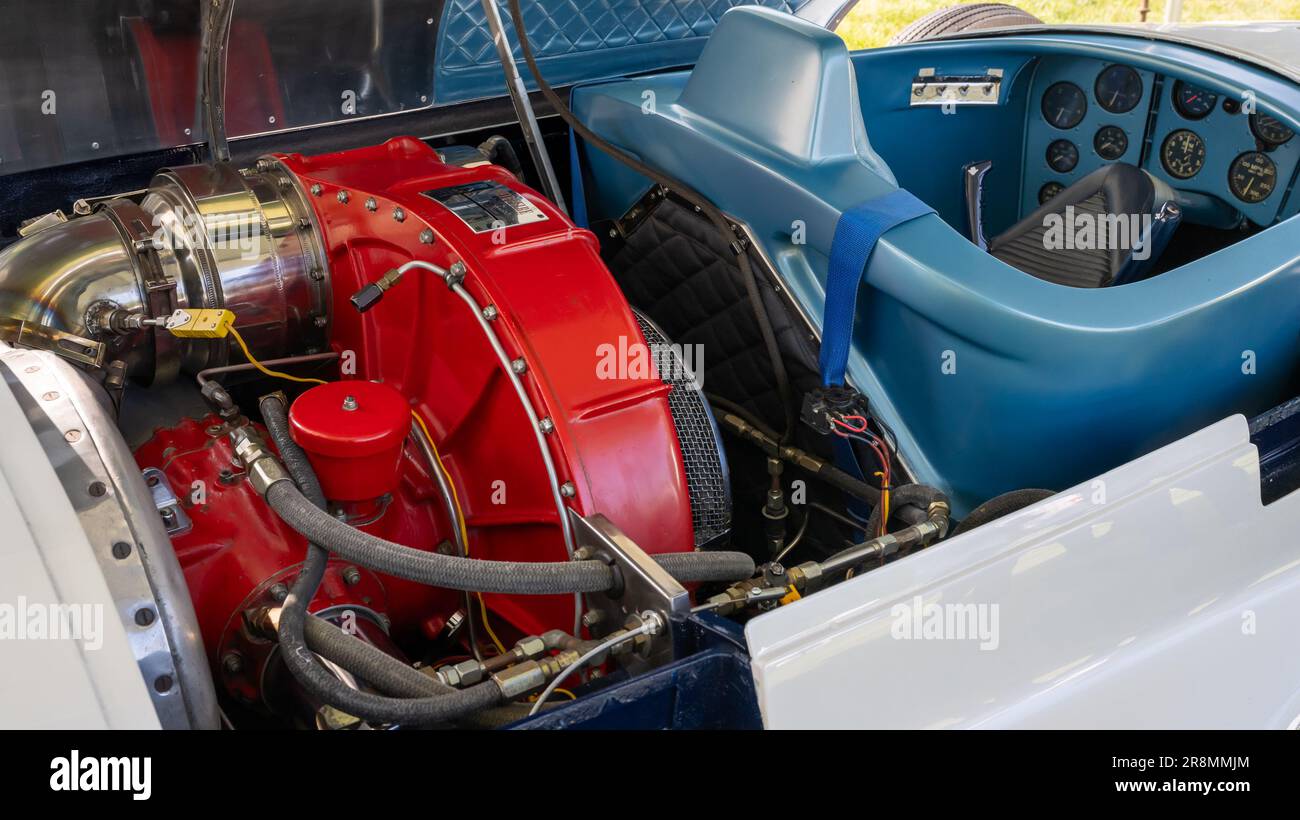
{"x": 1204, "y": 141}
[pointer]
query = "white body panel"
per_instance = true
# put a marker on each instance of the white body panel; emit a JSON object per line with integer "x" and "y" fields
{"x": 1173, "y": 600}
{"x": 47, "y": 560}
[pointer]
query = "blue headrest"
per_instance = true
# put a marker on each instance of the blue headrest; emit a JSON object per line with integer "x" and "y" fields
{"x": 783, "y": 83}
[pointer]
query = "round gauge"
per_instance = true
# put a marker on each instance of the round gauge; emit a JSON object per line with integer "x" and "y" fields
{"x": 1062, "y": 156}
{"x": 1183, "y": 154}
{"x": 1064, "y": 105}
{"x": 1269, "y": 129}
{"x": 1118, "y": 89}
{"x": 1192, "y": 102}
{"x": 1048, "y": 191}
{"x": 1110, "y": 142}
{"x": 1252, "y": 177}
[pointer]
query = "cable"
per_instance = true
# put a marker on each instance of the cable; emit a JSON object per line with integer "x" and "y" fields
{"x": 275, "y": 374}
{"x": 644, "y": 629}
{"x": 459, "y": 523}
{"x": 688, "y": 193}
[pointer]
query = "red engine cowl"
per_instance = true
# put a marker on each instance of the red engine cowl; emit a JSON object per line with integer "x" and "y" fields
{"x": 554, "y": 306}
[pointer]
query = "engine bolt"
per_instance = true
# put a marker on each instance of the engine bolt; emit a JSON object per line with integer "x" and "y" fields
{"x": 399, "y": 214}
{"x": 316, "y": 189}
{"x": 592, "y": 617}
{"x": 490, "y": 312}
{"x": 350, "y": 403}
{"x": 457, "y": 269}
{"x": 232, "y": 663}
{"x": 279, "y": 592}
{"x": 546, "y": 426}
{"x": 519, "y": 366}
{"x": 320, "y": 321}
{"x": 343, "y": 197}
{"x": 351, "y": 576}
{"x": 568, "y": 490}
{"x": 371, "y": 204}
{"x": 426, "y": 236}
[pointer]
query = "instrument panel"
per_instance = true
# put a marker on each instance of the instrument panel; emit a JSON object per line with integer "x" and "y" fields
{"x": 1090, "y": 113}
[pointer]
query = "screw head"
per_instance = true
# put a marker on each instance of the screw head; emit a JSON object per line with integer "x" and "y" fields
{"x": 399, "y": 214}
{"x": 490, "y": 312}
{"x": 350, "y": 403}
{"x": 457, "y": 269}
{"x": 232, "y": 662}
{"x": 546, "y": 426}
{"x": 343, "y": 197}
{"x": 426, "y": 236}
{"x": 568, "y": 490}
{"x": 519, "y": 366}
{"x": 279, "y": 592}
{"x": 371, "y": 204}
{"x": 351, "y": 576}
{"x": 316, "y": 189}
{"x": 320, "y": 321}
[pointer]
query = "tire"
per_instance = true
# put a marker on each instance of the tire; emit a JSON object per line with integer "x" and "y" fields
{"x": 968, "y": 17}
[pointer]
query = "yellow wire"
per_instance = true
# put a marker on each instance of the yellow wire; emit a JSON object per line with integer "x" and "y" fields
{"x": 884, "y": 507}
{"x": 272, "y": 373}
{"x": 460, "y": 523}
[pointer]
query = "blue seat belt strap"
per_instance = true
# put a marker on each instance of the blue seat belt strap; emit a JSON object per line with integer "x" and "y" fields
{"x": 856, "y": 234}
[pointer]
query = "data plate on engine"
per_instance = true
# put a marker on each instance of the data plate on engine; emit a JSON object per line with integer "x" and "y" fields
{"x": 487, "y": 206}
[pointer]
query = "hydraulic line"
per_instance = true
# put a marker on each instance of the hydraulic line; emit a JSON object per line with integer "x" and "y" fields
{"x": 648, "y": 627}
{"x": 688, "y": 193}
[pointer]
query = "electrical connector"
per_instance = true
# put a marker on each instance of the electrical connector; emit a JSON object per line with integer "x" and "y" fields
{"x": 205, "y": 323}
{"x": 369, "y": 296}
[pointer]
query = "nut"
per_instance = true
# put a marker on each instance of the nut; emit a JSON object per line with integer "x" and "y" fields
{"x": 532, "y": 646}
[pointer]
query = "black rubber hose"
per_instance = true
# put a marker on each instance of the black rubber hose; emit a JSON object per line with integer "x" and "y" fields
{"x": 688, "y": 193}
{"x": 478, "y": 575}
{"x": 707, "y": 566}
{"x": 373, "y": 665}
{"x": 917, "y": 495}
{"x": 300, "y": 659}
{"x": 999, "y": 506}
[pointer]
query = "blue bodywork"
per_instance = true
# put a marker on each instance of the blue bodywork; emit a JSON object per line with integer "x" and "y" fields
{"x": 992, "y": 379}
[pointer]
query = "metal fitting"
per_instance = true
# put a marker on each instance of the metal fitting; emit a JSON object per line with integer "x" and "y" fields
{"x": 531, "y": 646}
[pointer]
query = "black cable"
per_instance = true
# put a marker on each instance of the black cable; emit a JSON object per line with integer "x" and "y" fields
{"x": 686, "y": 192}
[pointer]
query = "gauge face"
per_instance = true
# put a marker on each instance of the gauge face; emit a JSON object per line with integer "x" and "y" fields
{"x": 1192, "y": 102}
{"x": 1062, "y": 156}
{"x": 1048, "y": 191}
{"x": 1252, "y": 177}
{"x": 1118, "y": 89}
{"x": 1110, "y": 142}
{"x": 1183, "y": 154}
{"x": 1064, "y": 105}
{"x": 1269, "y": 129}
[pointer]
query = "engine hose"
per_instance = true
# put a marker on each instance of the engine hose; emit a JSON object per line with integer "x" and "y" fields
{"x": 292, "y": 625}
{"x": 479, "y": 575}
{"x": 376, "y": 667}
{"x": 688, "y": 193}
{"x": 917, "y": 495}
{"x": 999, "y": 506}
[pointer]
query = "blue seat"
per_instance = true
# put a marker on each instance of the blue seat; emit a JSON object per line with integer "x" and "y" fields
{"x": 992, "y": 379}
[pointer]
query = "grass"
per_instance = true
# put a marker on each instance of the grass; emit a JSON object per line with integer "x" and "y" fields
{"x": 873, "y": 22}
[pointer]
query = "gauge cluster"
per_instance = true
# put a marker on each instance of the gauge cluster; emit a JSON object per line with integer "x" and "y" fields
{"x": 1089, "y": 113}
{"x": 1086, "y": 113}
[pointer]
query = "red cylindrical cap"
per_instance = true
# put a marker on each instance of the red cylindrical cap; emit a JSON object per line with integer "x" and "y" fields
{"x": 352, "y": 432}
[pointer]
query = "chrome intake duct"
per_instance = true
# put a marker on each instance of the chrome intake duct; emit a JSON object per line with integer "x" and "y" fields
{"x": 200, "y": 236}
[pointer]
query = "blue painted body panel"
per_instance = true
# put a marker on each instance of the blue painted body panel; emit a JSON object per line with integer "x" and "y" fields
{"x": 1051, "y": 384}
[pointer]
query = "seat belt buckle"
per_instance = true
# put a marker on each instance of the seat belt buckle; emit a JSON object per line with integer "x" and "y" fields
{"x": 822, "y": 406}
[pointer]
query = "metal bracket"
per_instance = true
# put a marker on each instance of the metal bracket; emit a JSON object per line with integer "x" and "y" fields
{"x": 931, "y": 89}
{"x": 645, "y": 585}
{"x": 171, "y": 512}
{"x": 42, "y": 337}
